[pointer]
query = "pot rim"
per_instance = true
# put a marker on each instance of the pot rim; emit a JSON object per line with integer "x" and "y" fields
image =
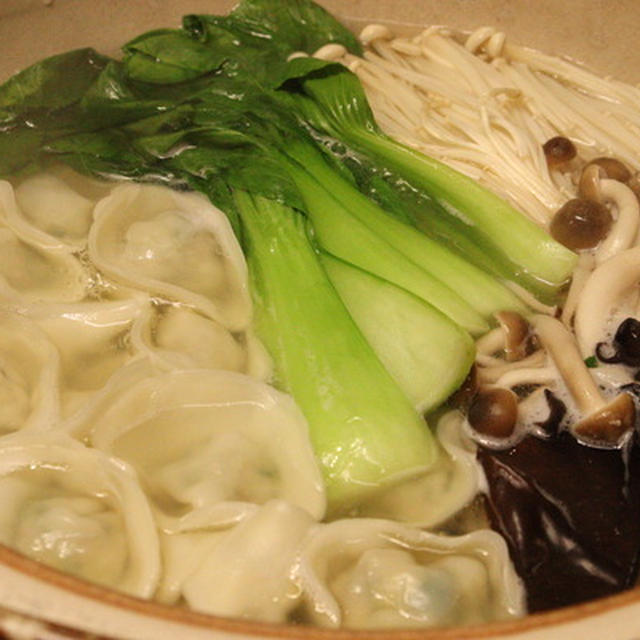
{"x": 181, "y": 615}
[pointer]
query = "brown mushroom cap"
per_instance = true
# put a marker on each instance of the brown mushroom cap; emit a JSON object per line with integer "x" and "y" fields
{"x": 516, "y": 332}
{"x": 614, "y": 169}
{"x": 581, "y": 223}
{"x": 608, "y": 424}
{"x": 559, "y": 151}
{"x": 494, "y": 412}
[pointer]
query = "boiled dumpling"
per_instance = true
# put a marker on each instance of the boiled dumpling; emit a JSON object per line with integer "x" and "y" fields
{"x": 248, "y": 571}
{"x": 172, "y": 244}
{"x": 29, "y": 370}
{"x": 239, "y": 442}
{"x": 28, "y": 274}
{"x": 92, "y": 339}
{"x": 180, "y": 338}
{"x": 78, "y": 511}
{"x": 50, "y": 214}
{"x": 182, "y": 555}
{"x": 367, "y": 573}
{"x": 455, "y": 479}
{"x": 176, "y": 337}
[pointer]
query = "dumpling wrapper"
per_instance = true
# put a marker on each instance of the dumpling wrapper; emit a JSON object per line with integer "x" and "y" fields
{"x": 239, "y": 442}
{"x": 249, "y": 573}
{"x": 29, "y": 274}
{"x": 243, "y": 572}
{"x": 437, "y": 495}
{"x": 49, "y": 214}
{"x": 176, "y": 337}
{"x": 77, "y": 510}
{"x": 366, "y": 573}
{"x": 29, "y": 376}
{"x": 92, "y": 339}
{"x": 172, "y": 244}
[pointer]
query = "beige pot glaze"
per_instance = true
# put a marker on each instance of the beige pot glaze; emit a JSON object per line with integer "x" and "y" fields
{"x": 39, "y": 603}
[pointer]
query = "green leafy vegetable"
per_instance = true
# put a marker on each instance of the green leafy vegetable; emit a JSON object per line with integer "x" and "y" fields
{"x": 363, "y": 429}
{"x": 467, "y": 216}
{"x": 428, "y": 355}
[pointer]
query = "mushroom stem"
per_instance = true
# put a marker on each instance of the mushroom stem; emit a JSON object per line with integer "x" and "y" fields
{"x": 624, "y": 229}
{"x": 563, "y": 350}
{"x": 606, "y": 284}
{"x": 603, "y": 421}
{"x": 497, "y": 368}
{"x": 589, "y": 185}
{"x": 526, "y": 375}
{"x": 581, "y": 273}
{"x": 490, "y": 342}
{"x": 516, "y": 334}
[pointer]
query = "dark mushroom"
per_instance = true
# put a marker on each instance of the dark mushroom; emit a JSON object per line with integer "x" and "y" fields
{"x": 516, "y": 335}
{"x": 559, "y": 151}
{"x": 614, "y": 169}
{"x": 603, "y": 421}
{"x": 610, "y": 423}
{"x": 589, "y": 184}
{"x": 581, "y": 223}
{"x": 494, "y": 412}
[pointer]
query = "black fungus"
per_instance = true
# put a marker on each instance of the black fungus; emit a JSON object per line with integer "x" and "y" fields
{"x": 550, "y": 427}
{"x": 570, "y": 515}
{"x": 464, "y": 395}
{"x": 625, "y": 347}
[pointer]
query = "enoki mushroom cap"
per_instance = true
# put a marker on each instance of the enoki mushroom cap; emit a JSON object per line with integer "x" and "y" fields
{"x": 375, "y": 32}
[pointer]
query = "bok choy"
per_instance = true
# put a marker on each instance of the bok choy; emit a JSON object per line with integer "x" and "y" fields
{"x": 362, "y": 426}
{"x": 463, "y": 214}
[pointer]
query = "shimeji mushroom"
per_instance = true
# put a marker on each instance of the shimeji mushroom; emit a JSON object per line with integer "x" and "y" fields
{"x": 603, "y": 180}
{"x": 589, "y": 184}
{"x": 516, "y": 334}
{"x": 625, "y": 228}
{"x": 601, "y": 295}
{"x": 603, "y": 421}
{"x": 581, "y": 224}
{"x": 519, "y": 366}
{"x": 614, "y": 168}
